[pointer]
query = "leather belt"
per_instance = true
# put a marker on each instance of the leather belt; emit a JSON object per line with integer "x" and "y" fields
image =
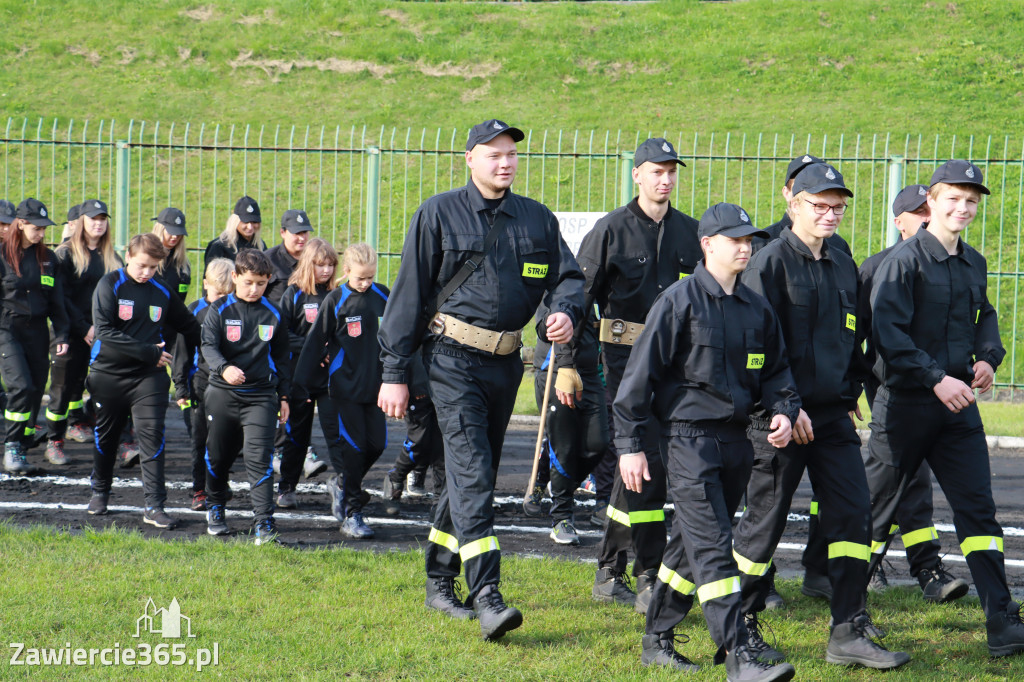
{"x": 619, "y": 331}
{"x": 495, "y": 343}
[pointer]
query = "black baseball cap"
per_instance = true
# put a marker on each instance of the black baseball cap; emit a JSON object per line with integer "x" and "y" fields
{"x": 655, "y": 150}
{"x": 482, "y": 133}
{"x": 173, "y": 221}
{"x": 92, "y": 208}
{"x": 729, "y": 220}
{"x": 959, "y": 172}
{"x": 815, "y": 178}
{"x": 799, "y": 163}
{"x": 34, "y": 211}
{"x": 248, "y": 210}
{"x": 910, "y": 198}
{"x": 7, "y": 212}
{"x": 74, "y": 213}
{"x": 295, "y": 220}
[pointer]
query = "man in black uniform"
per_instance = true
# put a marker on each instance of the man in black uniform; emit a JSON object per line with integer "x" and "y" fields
{"x": 937, "y": 338}
{"x": 632, "y": 255}
{"x": 295, "y": 229}
{"x": 482, "y": 257}
{"x": 711, "y": 350}
{"x": 813, "y": 289}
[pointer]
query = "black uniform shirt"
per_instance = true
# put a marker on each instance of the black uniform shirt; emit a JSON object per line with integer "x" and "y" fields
{"x": 218, "y": 248}
{"x": 774, "y": 230}
{"x": 129, "y": 319}
{"x": 251, "y": 337}
{"x": 299, "y": 311}
{"x": 530, "y": 260}
{"x": 284, "y": 266}
{"x": 189, "y": 370}
{"x": 35, "y": 293}
{"x": 78, "y": 289}
{"x": 931, "y": 316}
{"x": 707, "y": 357}
{"x": 816, "y": 302}
{"x": 176, "y": 281}
{"x": 346, "y": 331}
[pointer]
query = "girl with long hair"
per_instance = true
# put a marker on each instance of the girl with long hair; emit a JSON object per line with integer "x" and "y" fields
{"x": 242, "y": 231}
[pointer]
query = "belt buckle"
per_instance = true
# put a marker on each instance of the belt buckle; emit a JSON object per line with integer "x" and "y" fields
{"x": 437, "y": 324}
{"x": 618, "y": 328}
{"x": 501, "y": 339}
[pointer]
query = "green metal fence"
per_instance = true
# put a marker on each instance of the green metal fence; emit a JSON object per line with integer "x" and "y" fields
{"x": 358, "y": 183}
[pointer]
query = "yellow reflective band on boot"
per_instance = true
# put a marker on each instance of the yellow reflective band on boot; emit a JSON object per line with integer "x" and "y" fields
{"x": 814, "y": 507}
{"x": 981, "y": 543}
{"x": 646, "y": 516}
{"x": 916, "y": 537}
{"x": 447, "y": 541}
{"x": 76, "y": 404}
{"x": 618, "y": 516}
{"x": 16, "y": 416}
{"x": 838, "y": 550}
{"x": 676, "y": 581}
{"x": 54, "y": 417}
{"x": 476, "y": 547}
{"x": 718, "y": 589}
{"x": 749, "y": 567}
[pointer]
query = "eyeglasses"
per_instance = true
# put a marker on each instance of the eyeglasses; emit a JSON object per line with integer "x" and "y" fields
{"x": 822, "y": 209}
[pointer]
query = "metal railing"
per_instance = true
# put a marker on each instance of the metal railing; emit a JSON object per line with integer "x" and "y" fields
{"x": 358, "y": 183}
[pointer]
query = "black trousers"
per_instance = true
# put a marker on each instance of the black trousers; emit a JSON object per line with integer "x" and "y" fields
{"x": 248, "y": 420}
{"x": 298, "y": 432}
{"x": 910, "y": 427}
{"x": 707, "y": 475}
{"x": 635, "y": 520}
{"x": 197, "y": 437}
{"x": 577, "y": 439}
{"x": 67, "y": 383}
{"x": 24, "y": 364}
{"x": 423, "y": 446}
{"x": 474, "y": 395}
{"x": 834, "y": 464}
{"x": 144, "y": 398}
{"x": 363, "y": 436}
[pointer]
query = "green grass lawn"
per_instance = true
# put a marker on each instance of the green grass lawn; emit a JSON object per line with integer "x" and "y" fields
{"x": 278, "y": 613}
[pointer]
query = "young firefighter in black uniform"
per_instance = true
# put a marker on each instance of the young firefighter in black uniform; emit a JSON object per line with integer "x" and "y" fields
{"x": 7, "y": 216}
{"x": 346, "y": 332}
{"x": 631, "y": 256}
{"x": 813, "y": 289}
{"x": 245, "y": 345}
{"x": 242, "y": 231}
{"x": 127, "y": 374}
{"x": 30, "y": 292}
{"x": 482, "y": 257}
{"x": 711, "y": 350}
{"x": 308, "y": 286}
{"x": 937, "y": 338}
{"x": 191, "y": 374}
{"x": 84, "y": 258}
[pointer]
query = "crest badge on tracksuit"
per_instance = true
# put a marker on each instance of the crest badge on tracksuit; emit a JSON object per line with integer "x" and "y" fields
{"x": 155, "y": 312}
{"x": 354, "y": 326}
{"x": 311, "y": 310}
{"x": 266, "y": 332}
{"x": 233, "y": 332}
{"x": 125, "y": 309}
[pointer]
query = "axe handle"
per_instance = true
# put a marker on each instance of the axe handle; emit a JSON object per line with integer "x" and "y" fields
{"x": 543, "y": 420}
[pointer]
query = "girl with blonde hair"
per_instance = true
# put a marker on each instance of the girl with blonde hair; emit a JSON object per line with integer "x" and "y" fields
{"x": 242, "y": 231}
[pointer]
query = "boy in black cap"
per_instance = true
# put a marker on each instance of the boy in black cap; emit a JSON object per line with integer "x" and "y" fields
{"x": 295, "y": 232}
{"x": 937, "y": 338}
{"x": 711, "y": 351}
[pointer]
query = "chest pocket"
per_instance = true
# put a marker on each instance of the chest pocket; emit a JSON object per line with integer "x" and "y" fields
{"x": 796, "y": 317}
{"x": 977, "y": 300}
{"x": 630, "y": 267}
{"x": 458, "y": 248}
{"x": 847, "y": 313}
{"x": 753, "y": 349}
{"x": 534, "y": 260}
{"x": 705, "y": 363}
{"x": 684, "y": 269}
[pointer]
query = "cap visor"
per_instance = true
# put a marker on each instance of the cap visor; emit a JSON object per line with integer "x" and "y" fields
{"x": 663, "y": 159}
{"x": 828, "y": 185}
{"x": 175, "y": 230}
{"x": 981, "y": 188}
{"x": 41, "y": 222}
{"x": 743, "y": 231}
{"x": 295, "y": 229}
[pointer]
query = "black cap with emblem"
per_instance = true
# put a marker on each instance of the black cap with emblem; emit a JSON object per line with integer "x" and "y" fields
{"x": 8, "y": 212}
{"x": 910, "y": 198}
{"x": 34, "y": 211}
{"x": 729, "y": 220}
{"x": 959, "y": 172}
{"x": 815, "y": 178}
{"x": 248, "y": 210}
{"x": 655, "y": 150}
{"x": 799, "y": 163}
{"x": 482, "y": 133}
{"x": 173, "y": 221}
{"x": 92, "y": 208}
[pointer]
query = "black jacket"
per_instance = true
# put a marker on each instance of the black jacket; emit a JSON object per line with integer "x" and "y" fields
{"x": 299, "y": 311}
{"x": 251, "y": 337}
{"x": 35, "y": 293}
{"x": 189, "y": 370}
{"x": 284, "y": 266}
{"x": 707, "y": 357}
{"x": 175, "y": 281}
{"x": 78, "y": 289}
{"x": 218, "y": 248}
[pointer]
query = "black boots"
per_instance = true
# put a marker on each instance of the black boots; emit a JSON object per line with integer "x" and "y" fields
{"x": 496, "y": 618}
{"x": 852, "y": 644}
{"x": 443, "y": 595}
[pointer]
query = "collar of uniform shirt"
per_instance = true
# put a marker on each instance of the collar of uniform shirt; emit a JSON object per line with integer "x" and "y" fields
{"x": 931, "y": 244}
{"x": 709, "y": 284}
{"x": 634, "y": 208}
{"x": 479, "y": 204}
{"x": 790, "y": 238}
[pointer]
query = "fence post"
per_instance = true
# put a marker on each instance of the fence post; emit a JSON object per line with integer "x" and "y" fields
{"x": 121, "y": 198}
{"x": 896, "y": 174}
{"x": 626, "y": 177}
{"x": 373, "y": 196}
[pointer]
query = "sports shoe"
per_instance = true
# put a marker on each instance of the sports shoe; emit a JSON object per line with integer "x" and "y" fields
{"x": 660, "y": 650}
{"x": 612, "y": 587}
{"x": 496, "y": 618}
{"x": 55, "y": 453}
{"x": 743, "y": 665}
{"x": 266, "y": 533}
{"x": 599, "y": 517}
{"x": 588, "y": 488}
{"x": 98, "y": 504}
{"x": 878, "y": 581}
{"x": 817, "y": 586}
{"x": 215, "y": 523}
{"x": 415, "y": 484}
{"x": 644, "y": 590}
{"x": 773, "y": 600}
{"x": 199, "y": 501}
{"x": 355, "y": 527}
{"x": 763, "y": 651}
{"x": 392, "y": 495}
{"x": 312, "y": 466}
{"x": 156, "y": 516}
{"x": 564, "y": 533}
{"x": 337, "y": 505}
{"x": 445, "y": 595}
{"x": 128, "y": 454}
{"x": 532, "y": 502}
{"x": 15, "y": 461}
{"x": 852, "y": 644}
{"x": 939, "y": 586}
{"x": 287, "y": 500}
{"x": 1005, "y": 632}
{"x": 80, "y": 433}
{"x": 275, "y": 461}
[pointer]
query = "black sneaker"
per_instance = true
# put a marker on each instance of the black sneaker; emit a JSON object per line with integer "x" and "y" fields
{"x": 532, "y": 502}
{"x": 156, "y": 516}
{"x": 1005, "y": 632}
{"x": 445, "y": 595}
{"x": 659, "y": 650}
{"x": 773, "y": 600}
{"x": 852, "y": 644}
{"x": 337, "y": 506}
{"x": 878, "y": 581}
{"x": 816, "y": 585}
{"x": 199, "y": 501}
{"x": 355, "y": 527}
{"x": 755, "y": 642}
{"x": 496, "y": 618}
{"x": 612, "y": 587}
{"x": 644, "y": 590}
{"x": 215, "y": 523}
{"x": 392, "y": 495}
{"x": 743, "y": 665}
{"x": 939, "y": 586}
{"x": 98, "y": 504}
{"x": 564, "y": 533}
{"x": 266, "y": 533}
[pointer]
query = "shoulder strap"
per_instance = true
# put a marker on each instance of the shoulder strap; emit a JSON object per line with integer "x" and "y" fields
{"x": 470, "y": 265}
